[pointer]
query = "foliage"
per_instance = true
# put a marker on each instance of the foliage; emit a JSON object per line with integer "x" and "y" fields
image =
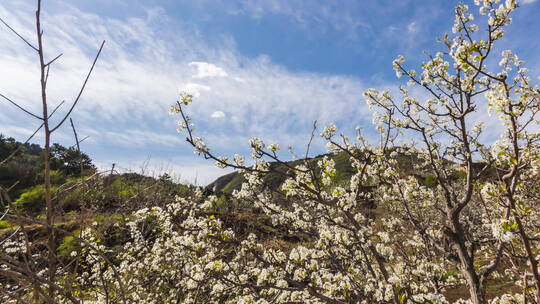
{"x": 69, "y": 160}
{"x": 68, "y": 247}
{"x": 33, "y": 200}
{"x": 4, "y": 224}
{"x": 25, "y": 169}
{"x": 233, "y": 181}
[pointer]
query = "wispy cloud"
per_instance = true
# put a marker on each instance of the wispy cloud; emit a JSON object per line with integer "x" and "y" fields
{"x": 308, "y": 14}
{"x": 194, "y": 89}
{"x": 139, "y": 76}
{"x": 144, "y": 66}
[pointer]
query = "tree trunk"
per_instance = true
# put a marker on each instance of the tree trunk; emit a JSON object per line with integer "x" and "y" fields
{"x": 531, "y": 258}
{"x": 476, "y": 289}
{"x": 51, "y": 240}
{"x": 466, "y": 263}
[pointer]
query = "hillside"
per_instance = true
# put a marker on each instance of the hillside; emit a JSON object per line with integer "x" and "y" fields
{"x": 21, "y": 164}
{"x": 21, "y": 180}
{"x": 226, "y": 184}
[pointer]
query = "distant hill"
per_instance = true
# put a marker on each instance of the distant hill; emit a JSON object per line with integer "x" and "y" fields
{"x": 226, "y": 184}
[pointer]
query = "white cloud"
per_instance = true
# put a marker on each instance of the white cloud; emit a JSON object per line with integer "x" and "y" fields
{"x": 528, "y": 1}
{"x": 412, "y": 27}
{"x": 12, "y": 130}
{"x": 196, "y": 173}
{"x": 218, "y": 114}
{"x": 124, "y": 108}
{"x": 205, "y": 69}
{"x": 141, "y": 138}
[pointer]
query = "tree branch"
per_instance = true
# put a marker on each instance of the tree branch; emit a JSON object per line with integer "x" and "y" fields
{"x": 82, "y": 89}
{"x": 16, "y": 33}
{"x": 21, "y": 108}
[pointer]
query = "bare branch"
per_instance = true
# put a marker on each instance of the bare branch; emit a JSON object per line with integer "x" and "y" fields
{"x": 56, "y": 108}
{"x": 75, "y": 134}
{"x": 311, "y": 138}
{"x": 55, "y": 58}
{"x": 16, "y": 33}
{"x": 82, "y": 88}
{"x": 21, "y": 108}
{"x": 80, "y": 141}
{"x": 10, "y": 236}
{"x": 77, "y": 143}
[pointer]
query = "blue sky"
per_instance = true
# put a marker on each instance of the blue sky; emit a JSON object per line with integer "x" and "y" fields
{"x": 258, "y": 68}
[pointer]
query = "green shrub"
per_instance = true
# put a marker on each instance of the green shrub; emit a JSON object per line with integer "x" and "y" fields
{"x": 67, "y": 246}
{"x": 72, "y": 200}
{"x": 221, "y": 203}
{"x": 57, "y": 177}
{"x": 121, "y": 189}
{"x": 430, "y": 181}
{"x": 4, "y": 224}
{"x": 33, "y": 199}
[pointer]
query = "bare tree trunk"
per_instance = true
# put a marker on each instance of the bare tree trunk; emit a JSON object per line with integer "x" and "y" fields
{"x": 49, "y": 282}
{"x": 533, "y": 262}
{"x": 511, "y": 182}
{"x": 474, "y": 281}
{"x": 476, "y": 289}
{"x": 51, "y": 242}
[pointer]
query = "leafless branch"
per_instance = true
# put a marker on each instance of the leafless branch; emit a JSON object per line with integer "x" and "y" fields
{"x": 21, "y": 108}
{"x": 55, "y": 58}
{"x": 56, "y": 108}
{"x": 81, "y": 90}
{"x": 16, "y": 33}
{"x": 77, "y": 142}
{"x": 314, "y": 128}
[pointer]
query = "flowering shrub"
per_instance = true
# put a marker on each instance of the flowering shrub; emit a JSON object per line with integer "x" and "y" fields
{"x": 182, "y": 253}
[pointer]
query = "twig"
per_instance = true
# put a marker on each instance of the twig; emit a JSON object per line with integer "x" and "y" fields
{"x": 15, "y": 32}
{"x": 311, "y": 138}
{"x": 10, "y": 236}
{"x": 82, "y": 88}
{"x": 21, "y": 108}
{"x": 55, "y": 109}
{"x": 77, "y": 143}
{"x": 50, "y": 62}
